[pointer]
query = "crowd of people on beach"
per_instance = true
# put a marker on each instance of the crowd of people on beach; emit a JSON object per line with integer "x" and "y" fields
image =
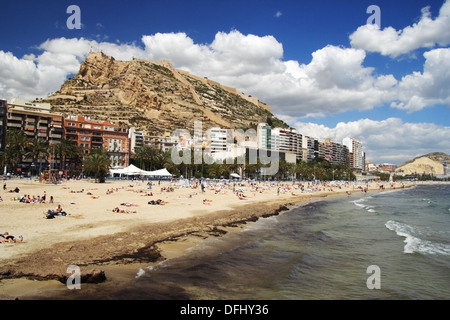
{"x": 28, "y": 198}
{"x": 243, "y": 190}
{"x": 35, "y": 199}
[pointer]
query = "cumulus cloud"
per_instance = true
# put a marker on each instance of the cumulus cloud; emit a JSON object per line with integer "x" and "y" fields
{"x": 25, "y": 78}
{"x": 390, "y": 140}
{"x": 334, "y": 81}
{"x": 229, "y": 55}
{"x": 421, "y": 89}
{"x": 426, "y": 33}
{"x": 34, "y": 76}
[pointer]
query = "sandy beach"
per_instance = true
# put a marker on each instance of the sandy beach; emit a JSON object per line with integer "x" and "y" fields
{"x": 102, "y": 242}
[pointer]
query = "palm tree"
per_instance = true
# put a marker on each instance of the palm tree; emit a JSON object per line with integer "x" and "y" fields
{"x": 146, "y": 157}
{"x": 97, "y": 164}
{"x": 66, "y": 150}
{"x": 17, "y": 144}
{"x": 37, "y": 150}
{"x": 304, "y": 170}
{"x": 215, "y": 170}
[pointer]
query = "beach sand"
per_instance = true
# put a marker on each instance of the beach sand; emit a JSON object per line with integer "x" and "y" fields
{"x": 109, "y": 246}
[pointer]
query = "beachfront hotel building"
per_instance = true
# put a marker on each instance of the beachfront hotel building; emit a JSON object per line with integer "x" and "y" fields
{"x": 264, "y": 136}
{"x": 289, "y": 141}
{"x": 3, "y": 123}
{"x": 91, "y": 134}
{"x": 136, "y": 139}
{"x": 310, "y": 148}
{"x": 334, "y": 152}
{"x": 37, "y": 122}
{"x": 219, "y": 140}
{"x": 357, "y": 155}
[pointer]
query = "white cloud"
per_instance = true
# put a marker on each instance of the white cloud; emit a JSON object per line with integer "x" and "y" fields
{"x": 334, "y": 81}
{"x": 36, "y": 76}
{"x": 432, "y": 86}
{"x": 390, "y": 140}
{"x": 229, "y": 55}
{"x": 426, "y": 33}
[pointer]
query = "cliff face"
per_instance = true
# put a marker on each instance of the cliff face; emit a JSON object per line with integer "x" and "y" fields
{"x": 428, "y": 164}
{"x": 154, "y": 97}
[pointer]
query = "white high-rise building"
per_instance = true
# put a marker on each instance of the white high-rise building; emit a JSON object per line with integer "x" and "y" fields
{"x": 356, "y": 149}
{"x": 219, "y": 140}
{"x": 264, "y": 136}
{"x": 309, "y": 152}
{"x": 285, "y": 140}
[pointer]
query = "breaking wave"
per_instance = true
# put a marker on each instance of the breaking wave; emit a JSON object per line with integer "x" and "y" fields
{"x": 415, "y": 244}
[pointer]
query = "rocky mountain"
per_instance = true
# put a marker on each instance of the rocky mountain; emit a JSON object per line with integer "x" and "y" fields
{"x": 154, "y": 97}
{"x": 428, "y": 164}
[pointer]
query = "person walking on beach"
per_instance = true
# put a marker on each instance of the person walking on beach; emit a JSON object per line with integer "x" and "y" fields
{"x": 203, "y": 187}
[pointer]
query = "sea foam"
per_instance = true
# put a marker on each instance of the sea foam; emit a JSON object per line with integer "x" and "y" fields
{"x": 415, "y": 244}
{"x": 360, "y": 204}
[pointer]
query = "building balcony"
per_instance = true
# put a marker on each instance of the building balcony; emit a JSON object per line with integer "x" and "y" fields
{"x": 13, "y": 117}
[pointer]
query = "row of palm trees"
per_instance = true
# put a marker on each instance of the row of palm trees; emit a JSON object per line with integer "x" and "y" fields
{"x": 148, "y": 158}
{"x": 67, "y": 156}
{"x": 38, "y": 154}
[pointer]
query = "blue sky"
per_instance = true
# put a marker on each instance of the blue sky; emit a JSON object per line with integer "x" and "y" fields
{"x": 316, "y": 63}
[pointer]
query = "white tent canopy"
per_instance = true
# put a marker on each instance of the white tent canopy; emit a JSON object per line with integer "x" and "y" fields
{"x": 235, "y": 175}
{"x": 159, "y": 173}
{"x": 132, "y": 170}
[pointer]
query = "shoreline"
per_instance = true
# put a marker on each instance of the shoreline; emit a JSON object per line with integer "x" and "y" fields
{"x": 117, "y": 256}
{"x": 171, "y": 241}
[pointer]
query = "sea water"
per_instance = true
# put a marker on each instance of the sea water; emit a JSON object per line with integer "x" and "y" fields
{"x": 322, "y": 250}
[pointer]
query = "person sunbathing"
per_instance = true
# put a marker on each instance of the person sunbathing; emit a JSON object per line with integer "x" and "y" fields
{"x": 207, "y": 202}
{"x": 128, "y": 204}
{"x": 82, "y": 190}
{"x": 159, "y": 202}
{"x": 117, "y": 210}
{"x": 6, "y": 237}
{"x": 50, "y": 214}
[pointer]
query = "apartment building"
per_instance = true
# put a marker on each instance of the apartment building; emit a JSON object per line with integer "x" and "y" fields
{"x": 286, "y": 140}
{"x": 310, "y": 148}
{"x": 219, "y": 140}
{"x": 136, "y": 139}
{"x": 36, "y": 120}
{"x": 3, "y": 123}
{"x": 334, "y": 152}
{"x": 91, "y": 134}
{"x": 162, "y": 143}
{"x": 357, "y": 155}
{"x": 264, "y": 136}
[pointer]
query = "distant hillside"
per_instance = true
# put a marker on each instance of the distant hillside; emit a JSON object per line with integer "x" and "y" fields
{"x": 428, "y": 164}
{"x": 154, "y": 97}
